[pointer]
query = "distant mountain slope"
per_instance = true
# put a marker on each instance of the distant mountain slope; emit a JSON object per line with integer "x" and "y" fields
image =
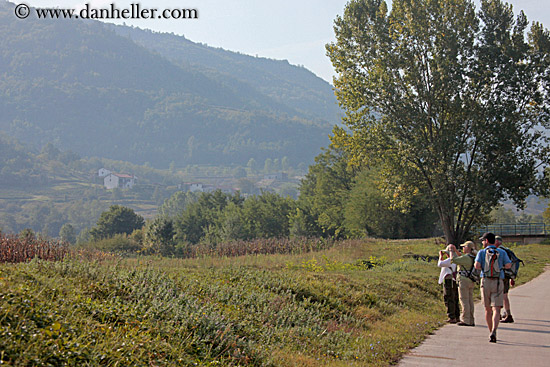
{"x": 292, "y": 86}
{"x": 87, "y": 89}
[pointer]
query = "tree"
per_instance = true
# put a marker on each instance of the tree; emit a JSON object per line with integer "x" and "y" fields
{"x": 252, "y": 166}
{"x": 239, "y": 172}
{"x": 267, "y": 216}
{"x": 204, "y": 217}
{"x": 176, "y": 204}
{"x": 324, "y": 191}
{"x": 232, "y": 226}
{"x": 289, "y": 189}
{"x": 268, "y": 165}
{"x": 499, "y": 214}
{"x": 67, "y": 233}
{"x": 276, "y": 165}
{"x": 285, "y": 164}
{"x": 158, "y": 195}
{"x": 247, "y": 186}
{"x": 301, "y": 224}
{"x": 118, "y": 219}
{"x": 368, "y": 212}
{"x": 159, "y": 236}
{"x": 447, "y": 101}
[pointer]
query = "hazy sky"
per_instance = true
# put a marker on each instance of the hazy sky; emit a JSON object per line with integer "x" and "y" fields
{"x": 295, "y": 30}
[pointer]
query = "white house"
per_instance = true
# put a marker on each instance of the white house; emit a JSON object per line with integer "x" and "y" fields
{"x": 114, "y": 180}
{"x": 103, "y": 172}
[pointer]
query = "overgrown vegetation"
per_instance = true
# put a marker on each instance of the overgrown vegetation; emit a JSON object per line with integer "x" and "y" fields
{"x": 25, "y": 247}
{"x": 357, "y": 303}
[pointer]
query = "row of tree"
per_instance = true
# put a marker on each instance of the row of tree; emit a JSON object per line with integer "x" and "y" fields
{"x": 336, "y": 201}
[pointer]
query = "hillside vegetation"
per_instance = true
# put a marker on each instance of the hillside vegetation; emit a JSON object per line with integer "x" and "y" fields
{"x": 359, "y": 303}
{"x": 87, "y": 89}
{"x": 44, "y": 190}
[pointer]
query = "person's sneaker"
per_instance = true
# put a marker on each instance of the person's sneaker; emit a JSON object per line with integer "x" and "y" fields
{"x": 508, "y": 320}
{"x": 493, "y": 338}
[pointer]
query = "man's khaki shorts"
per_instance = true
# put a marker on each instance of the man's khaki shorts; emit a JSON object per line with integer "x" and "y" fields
{"x": 492, "y": 291}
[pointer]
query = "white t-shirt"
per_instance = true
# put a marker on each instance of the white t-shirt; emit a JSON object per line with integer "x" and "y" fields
{"x": 446, "y": 269}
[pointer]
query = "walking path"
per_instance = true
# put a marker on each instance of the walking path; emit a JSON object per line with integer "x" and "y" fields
{"x": 526, "y": 342}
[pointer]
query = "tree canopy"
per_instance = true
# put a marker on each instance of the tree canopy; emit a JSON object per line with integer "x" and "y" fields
{"x": 117, "y": 220}
{"x": 447, "y": 100}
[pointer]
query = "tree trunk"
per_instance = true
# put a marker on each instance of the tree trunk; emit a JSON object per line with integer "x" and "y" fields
{"x": 451, "y": 236}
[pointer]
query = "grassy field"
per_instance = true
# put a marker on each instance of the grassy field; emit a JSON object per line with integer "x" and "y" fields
{"x": 359, "y": 303}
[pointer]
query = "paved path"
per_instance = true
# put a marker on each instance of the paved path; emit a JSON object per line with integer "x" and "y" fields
{"x": 526, "y": 342}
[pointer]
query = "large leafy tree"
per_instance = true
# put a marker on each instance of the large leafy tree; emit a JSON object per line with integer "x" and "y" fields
{"x": 117, "y": 220}
{"x": 446, "y": 99}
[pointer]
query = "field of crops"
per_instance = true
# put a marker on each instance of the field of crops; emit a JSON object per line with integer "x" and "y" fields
{"x": 357, "y": 303}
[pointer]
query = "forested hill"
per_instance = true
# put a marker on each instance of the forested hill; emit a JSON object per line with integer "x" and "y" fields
{"x": 294, "y": 87}
{"x": 85, "y": 88}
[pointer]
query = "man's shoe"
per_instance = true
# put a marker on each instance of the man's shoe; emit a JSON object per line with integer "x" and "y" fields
{"x": 452, "y": 321}
{"x": 508, "y": 320}
{"x": 493, "y": 338}
{"x": 461, "y": 323}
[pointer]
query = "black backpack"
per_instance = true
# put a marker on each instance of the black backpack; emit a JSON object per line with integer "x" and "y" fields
{"x": 512, "y": 273}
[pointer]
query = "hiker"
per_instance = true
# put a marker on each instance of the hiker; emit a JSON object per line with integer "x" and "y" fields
{"x": 506, "y": 317}
{"x": 466, "y": 281}
{"x": 492, "y": 261}
{"x": 447, "y": 277}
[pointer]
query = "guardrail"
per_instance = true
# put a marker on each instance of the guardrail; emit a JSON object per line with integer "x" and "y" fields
{"x": 522, "y": 229}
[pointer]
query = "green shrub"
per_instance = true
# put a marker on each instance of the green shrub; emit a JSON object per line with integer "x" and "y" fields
{"x": 119, "y": 243}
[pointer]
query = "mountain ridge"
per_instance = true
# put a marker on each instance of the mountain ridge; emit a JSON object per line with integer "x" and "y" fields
{"x": 84, "y": 87}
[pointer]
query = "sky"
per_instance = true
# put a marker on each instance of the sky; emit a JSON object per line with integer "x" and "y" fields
{"x": 293, "y": 30}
